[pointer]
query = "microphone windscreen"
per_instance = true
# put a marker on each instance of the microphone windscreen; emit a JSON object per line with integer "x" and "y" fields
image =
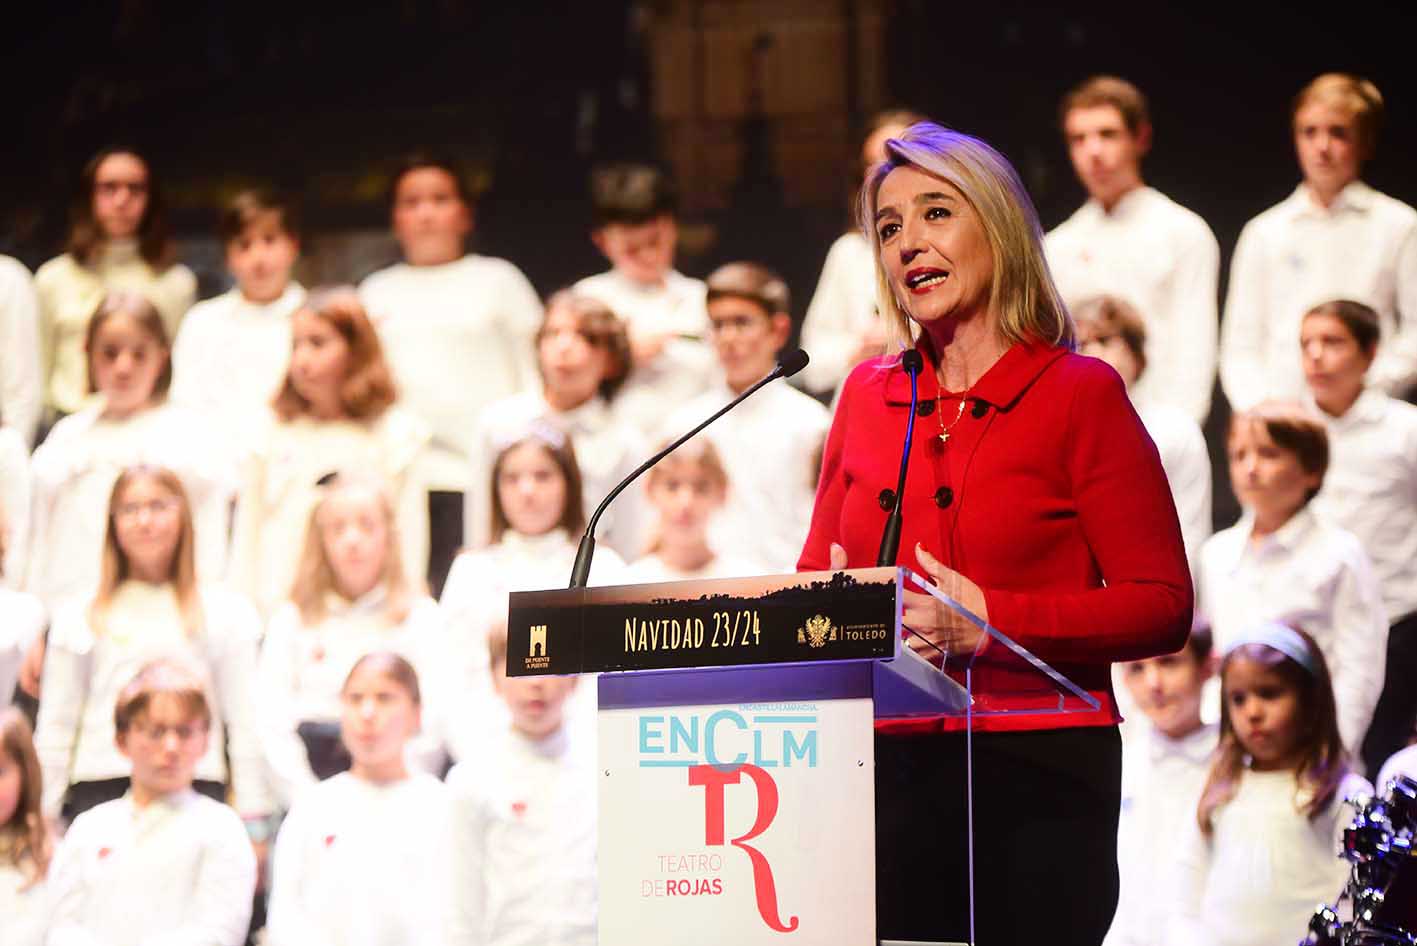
{"x": 911, "y": 361}
{"x": 793, "y": 362}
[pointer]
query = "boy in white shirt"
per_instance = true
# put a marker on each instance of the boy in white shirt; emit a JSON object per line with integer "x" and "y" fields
{"x": 1333, "y": 238}
{"x": 524, "y": 822}
{"x": 458, "y": 330}
{"x": 231, "y": 353}
{"x": 1164, "y": 764}
{"x": 1134, "y": 242}
{"x": 637, "y": 230}
{"x": 771, "y": 443}
{"x": 162, "y": 864}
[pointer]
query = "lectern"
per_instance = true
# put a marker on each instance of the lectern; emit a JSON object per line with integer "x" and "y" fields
{"x": 736, "y": 761}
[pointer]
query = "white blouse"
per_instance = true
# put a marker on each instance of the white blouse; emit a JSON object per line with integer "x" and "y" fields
{"x": 279, "y": 489}
{"x": 524, "y": 842}
{"x": 178, "y": 871}
{"x": 303, "y": 669}
{"x": 607, "y": 450}
{"x": 22, "y": 620}
{"x": 74, "y": 471}
{"x": 24, "y": 905}
{"x": 1312, "y": 575}
{"x": 1265, "y": 867}
{"x": 84, "y": 672}
{"x": 364, "y": 864}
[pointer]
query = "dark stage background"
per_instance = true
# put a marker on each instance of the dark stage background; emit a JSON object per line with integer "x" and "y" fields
{"x": 757, "y": 107}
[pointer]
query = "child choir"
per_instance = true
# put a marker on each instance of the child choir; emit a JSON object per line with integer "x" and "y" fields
{"x": 255, "y": 571}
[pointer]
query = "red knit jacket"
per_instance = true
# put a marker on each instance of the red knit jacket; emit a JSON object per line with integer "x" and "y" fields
{"x": 1049, "y": 495}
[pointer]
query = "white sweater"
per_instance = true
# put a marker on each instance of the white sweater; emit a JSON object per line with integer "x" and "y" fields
{"x": 524, "y": 843}
{"x": 84, "y": 672}
{"x": 364, "y": 864}
{"x": 1309, "y": 574}
{"x": 1164, "y": 260}
{"x": 303, "y": 669}
{"x": 457, "y": 336}
{"x": 24, "y": 906}
{"x": 607, "y": 450}
{"x": 15, "y": 502}
{"x": 279, "y": 489}
{"x": 74, "y": 470}
{"x": 21, "y": 394}
{"x": 230, "y": 358}
{"x": 22, "y": 620}
{"x": 179, "y": 872}
{"x": 1266, "y": 866}
{"x": 771, "y": 446}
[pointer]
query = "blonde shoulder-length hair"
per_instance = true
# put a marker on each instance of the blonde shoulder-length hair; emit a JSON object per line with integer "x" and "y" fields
{"x": 115, "y": 568}
{"x": 315, "y": 576}
{"x": 1022, "y": 294}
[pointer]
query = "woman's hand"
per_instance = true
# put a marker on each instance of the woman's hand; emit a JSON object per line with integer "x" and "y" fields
{"x": 932, "y": 620}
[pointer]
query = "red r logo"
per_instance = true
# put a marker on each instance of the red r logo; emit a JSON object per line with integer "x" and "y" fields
{"x": 714, "y": 779}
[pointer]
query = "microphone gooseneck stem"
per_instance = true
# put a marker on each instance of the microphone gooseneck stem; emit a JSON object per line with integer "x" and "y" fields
{"x": 890, "y": 538}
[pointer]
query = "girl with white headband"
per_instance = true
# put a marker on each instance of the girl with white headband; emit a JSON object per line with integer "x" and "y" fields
{"x": 1270, "y": 822}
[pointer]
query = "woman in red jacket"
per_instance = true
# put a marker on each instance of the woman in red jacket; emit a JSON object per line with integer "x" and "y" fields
{"x": 1037, "y": 500}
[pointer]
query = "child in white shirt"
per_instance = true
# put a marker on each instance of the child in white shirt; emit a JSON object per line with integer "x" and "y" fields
{"x": 637, "y": 230}
{"x": 771, "y": 443}
{"x": 335, "y": 410}
{"x": 687, "y": 489}
{"x": 119, "y": 242}
{"x": 1164, "y": 763}
{"x": 524, "y": 822}
{"x": 231, "y": 355}
{"x": 132, "y": 423}
{"x": 1333, "y": 238}
{"x": 21, "y": 391}
{"x": 457, "y": 329}
{"x": 583, "y": 352}
{"x": 149, "y": 604}
{"x": 162, "y": 864}
{"x": 1270, "y": 820}
{"x": 363, "y": 858}
{"x": 25, "y": 845}
{"x": 351, "y": 597}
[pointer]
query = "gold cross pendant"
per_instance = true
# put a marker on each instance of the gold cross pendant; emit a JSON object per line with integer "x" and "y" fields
{"x": 944, "y": 436}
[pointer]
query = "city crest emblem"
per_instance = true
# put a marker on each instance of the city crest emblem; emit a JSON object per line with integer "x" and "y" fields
{"x": 818, "y": 631}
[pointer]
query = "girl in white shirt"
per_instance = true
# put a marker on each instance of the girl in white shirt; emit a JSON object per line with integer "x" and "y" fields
{"x": 583, "y": 351}
{"x": 351, "y": 596}
{"x": 1284, "y": 561}
{"x": 131, "y": 423}
{"x": 1269, "y": 825}
{"x": 25, "y": 846}
{"x": 686, "y": 489}
{"x": 335, "y": 411}
{"x": 363, "y": 858}
{"x": 537, "y": 516}
{"x": 149, "y": 605}
{"x": 1371, "y": 490}
{"x": 119, "y": 242}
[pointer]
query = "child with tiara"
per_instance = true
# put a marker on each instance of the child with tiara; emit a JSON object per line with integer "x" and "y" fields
{"x": 363, "y": 857}
{"x": 1270, "y": 822}
{"x": 25, "y": 846}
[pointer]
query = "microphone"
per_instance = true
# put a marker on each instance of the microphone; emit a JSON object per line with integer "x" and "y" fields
{"x": 911, "y": 361}
{"x": 787, "y": 365}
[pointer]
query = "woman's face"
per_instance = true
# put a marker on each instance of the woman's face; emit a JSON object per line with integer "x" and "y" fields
{"x": 1264, "y": 711}
{"x": 571, "y": 366}
{"x": 319, "y": 360}
{"x": 377, "y": 718}
{"x": 147, "y": 520}
{"x": 933, "y": 247}
{"x": 120, "y": 195}
{"x": 685, "y": 496}
{"x": 531, "y": 489}
{"x": 355, "y": 536}
{"x": 1268, "y": 479}
{"x": 127, "y": 362}
{"x": 1334, "y": 365}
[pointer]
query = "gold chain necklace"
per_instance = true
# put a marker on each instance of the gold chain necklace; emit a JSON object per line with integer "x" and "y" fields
{"x": 940, "y": 412}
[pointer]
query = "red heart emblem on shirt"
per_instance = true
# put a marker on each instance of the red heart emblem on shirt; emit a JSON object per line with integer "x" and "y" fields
{"x": 104, "y": 852}
{"x": 519, "y": 808}
{"x": 329, "y": 840}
